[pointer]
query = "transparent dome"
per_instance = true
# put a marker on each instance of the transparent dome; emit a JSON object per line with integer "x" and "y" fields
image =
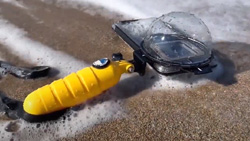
{"x": 176, "y": 36}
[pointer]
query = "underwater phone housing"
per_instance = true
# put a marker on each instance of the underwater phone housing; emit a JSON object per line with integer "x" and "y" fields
{"x": 173, "y": 43}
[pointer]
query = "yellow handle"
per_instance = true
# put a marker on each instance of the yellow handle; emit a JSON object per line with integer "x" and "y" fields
{"x": 75, "y": 88}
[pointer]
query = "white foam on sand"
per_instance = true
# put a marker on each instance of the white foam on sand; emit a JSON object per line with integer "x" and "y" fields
{"x": 15, "y": 3}
{"x": 227, "y": 20}
{"x": 187, "y": 80}
{"x": 70, "y": 125}
{"x": 16, "y": 41}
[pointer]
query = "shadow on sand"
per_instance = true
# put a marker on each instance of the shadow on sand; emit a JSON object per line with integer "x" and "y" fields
{"x": 231, "y": 57}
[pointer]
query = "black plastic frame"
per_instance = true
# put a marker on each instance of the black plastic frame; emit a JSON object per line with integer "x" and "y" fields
{"x": 142, "y": 56}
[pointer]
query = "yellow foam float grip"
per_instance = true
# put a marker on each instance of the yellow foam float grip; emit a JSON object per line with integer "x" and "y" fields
{"x": 75, "y": 88}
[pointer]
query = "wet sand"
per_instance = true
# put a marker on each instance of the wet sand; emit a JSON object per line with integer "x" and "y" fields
{"x": 210, "y": 112}
{"x": 217, "y": 111}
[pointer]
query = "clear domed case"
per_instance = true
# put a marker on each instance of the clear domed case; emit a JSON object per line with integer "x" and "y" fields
{"x": 172, "y": 42}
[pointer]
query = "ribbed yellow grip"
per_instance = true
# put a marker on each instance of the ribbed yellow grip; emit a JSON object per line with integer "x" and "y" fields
{"x": 75, "y": 88}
